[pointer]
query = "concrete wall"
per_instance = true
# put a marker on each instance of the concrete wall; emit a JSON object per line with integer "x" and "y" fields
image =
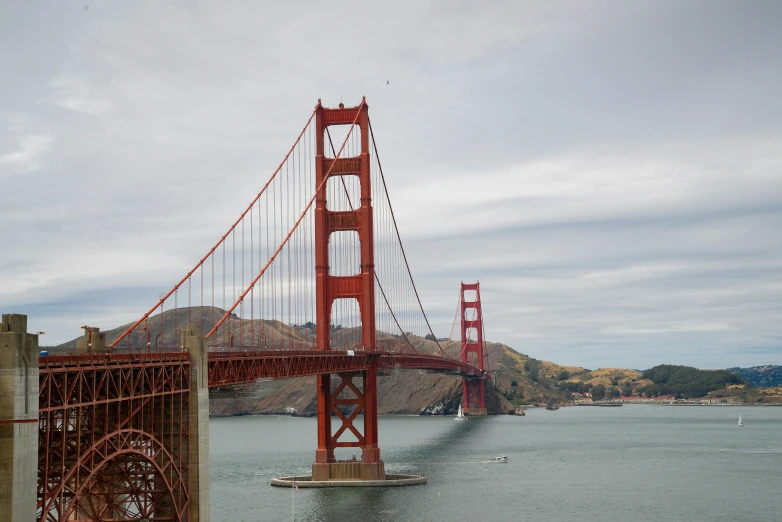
{"x": 193, "y": 342}
{"x": 18, "y": 420}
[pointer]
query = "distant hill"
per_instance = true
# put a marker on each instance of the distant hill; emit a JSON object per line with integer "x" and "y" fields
{"x": 164, "y": 331}
{"x": 406, "y": 392}
{"x": 765, "y": 376}
{"x": 517, "y": 379}
{"x": 416, "y": 392}
{"x": 607, "y": 377}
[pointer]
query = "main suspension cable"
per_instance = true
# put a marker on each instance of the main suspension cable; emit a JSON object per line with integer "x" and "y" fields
{"x": 379, "y": 284}
{"x": 321, "y": 186}
{"x": 399, "y": 238}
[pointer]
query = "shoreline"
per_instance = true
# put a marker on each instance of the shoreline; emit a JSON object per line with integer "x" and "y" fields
{"x": 530, "y": 407}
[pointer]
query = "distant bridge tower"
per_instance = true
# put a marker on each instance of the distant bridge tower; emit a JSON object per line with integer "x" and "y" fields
{"x": 360, "y": 287}
{"x": 472, "y": 343}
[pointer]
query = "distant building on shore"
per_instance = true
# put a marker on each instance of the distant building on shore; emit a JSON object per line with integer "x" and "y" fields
{"x": 638, "y": 399}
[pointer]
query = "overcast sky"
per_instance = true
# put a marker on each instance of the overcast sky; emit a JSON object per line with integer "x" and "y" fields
{"x": 611, "y": 172}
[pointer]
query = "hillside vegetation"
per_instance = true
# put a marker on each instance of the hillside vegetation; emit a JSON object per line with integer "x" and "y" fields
{"x": 688, "y": 382}
{"x": 768, "y": 375}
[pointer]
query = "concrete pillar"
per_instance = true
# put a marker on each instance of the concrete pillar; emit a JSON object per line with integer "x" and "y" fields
{"x": 198, "y": 473}
{"x": 94, "y": 341}
{"x": 18, "y": 420}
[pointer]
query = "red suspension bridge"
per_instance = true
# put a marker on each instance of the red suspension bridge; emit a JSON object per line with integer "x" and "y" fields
{"x": 311, "y": 280}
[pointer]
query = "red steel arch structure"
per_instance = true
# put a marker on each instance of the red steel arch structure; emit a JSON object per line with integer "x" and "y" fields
{"x": 114, "y": 440}
{"x": 122, "y": 427}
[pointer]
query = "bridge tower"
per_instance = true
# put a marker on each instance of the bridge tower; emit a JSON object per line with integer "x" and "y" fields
{"x": 473, "y": 397}
{"x": 330, "y": 288}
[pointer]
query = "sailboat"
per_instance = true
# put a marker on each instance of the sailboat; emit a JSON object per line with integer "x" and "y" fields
{"x": 740, "y": 423}
{"x": 460, "y": 414}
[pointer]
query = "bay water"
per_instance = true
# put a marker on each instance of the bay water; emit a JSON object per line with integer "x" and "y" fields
{"x": 636, "y": 462}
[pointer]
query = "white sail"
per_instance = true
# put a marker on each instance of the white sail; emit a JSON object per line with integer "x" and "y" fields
{"x": 740, "y": 423}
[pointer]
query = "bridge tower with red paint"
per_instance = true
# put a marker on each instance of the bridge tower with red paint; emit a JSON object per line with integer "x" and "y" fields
{"x": 473, "y": 398}
{"x": 362, "y": 396}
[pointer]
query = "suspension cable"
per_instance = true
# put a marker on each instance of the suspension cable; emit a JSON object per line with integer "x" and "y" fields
{"x": 399, "y": 238}
{"x": 217, "y": 245}
{"x": 455, "y": 314}
{"x": 290, "y": 233}
{"x": 379, "y": 284}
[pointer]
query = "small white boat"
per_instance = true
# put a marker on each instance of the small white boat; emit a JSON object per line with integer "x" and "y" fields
{"x": 740, "y": 423}
{"x": 499, "y": 459}
{"x": 460, "y": 414}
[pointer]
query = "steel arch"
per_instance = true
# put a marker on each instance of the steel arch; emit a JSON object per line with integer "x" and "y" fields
{"x": 96, "y": 468}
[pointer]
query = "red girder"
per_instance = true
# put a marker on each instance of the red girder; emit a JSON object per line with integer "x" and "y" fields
{"x": 226, "y": 368}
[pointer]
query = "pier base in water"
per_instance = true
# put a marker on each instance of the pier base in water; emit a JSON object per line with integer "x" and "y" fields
{"x": 348, "y": 470}
{"x": 305, "y": 481}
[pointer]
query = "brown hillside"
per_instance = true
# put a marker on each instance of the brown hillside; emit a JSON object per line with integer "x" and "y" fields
{"x": 404, "y": 391}
{"x": 607, "y": 376}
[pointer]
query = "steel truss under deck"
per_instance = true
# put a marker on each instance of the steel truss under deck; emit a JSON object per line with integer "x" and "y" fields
{"x": 114, "y": 432}
{"x": 114, "y": 437}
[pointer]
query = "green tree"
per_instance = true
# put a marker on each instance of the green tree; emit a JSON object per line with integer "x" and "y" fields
{"x": 533, "y": 372}
{"x": 563, "y": 375}
{"x": 598, "y": 392}
{"x": 687, "y": 381}
{"x": 514, "y": 383}
{"x": 531, "y": 367}
{"x": 584, "y": 387}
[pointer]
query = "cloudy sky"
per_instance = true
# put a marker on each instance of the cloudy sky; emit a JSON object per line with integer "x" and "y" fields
{"x": 611, "y": 172}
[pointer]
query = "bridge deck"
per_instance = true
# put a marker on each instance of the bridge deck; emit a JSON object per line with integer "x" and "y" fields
{"x": 238, "y": 367}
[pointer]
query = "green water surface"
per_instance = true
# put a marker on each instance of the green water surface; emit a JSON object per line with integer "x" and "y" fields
{"x": 637, "y": 462}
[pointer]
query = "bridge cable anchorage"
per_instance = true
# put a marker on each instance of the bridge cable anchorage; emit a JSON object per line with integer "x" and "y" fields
{"x": 399, "y": 239}
{"x": 222, "y": 240}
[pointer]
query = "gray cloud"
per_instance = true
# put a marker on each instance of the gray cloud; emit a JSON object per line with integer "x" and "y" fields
{"x": 611, "y": 173}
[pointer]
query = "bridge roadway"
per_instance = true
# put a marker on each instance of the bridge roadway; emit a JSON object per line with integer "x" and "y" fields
{"x": 242, "y": 367}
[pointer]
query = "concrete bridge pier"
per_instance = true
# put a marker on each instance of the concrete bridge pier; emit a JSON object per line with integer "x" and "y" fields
{"x": 94, "y": 341}
{"x": 198, "y": 472}
{"x": 18, "y": 420}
